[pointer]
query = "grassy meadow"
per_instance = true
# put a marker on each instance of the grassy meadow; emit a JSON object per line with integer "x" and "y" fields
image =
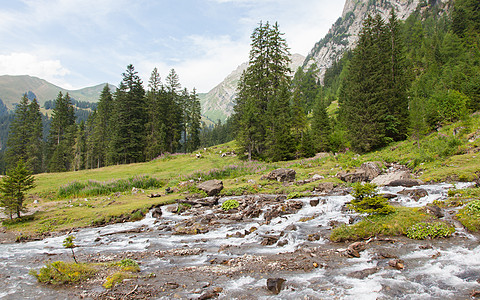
{"x": 100, "y": 196}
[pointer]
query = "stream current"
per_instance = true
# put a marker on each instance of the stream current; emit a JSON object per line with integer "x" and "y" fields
{"x": 230, "y": 257}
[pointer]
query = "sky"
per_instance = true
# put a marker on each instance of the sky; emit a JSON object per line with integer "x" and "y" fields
{"x": 80, "y": 43}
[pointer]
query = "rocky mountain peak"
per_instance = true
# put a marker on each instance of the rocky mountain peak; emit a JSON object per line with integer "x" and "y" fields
{"x": 343, "y": 35}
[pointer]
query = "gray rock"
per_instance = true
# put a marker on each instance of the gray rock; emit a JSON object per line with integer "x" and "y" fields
{"x": 157, "y": 212}
{"x": 281, "y": 175}
{"x": 434, "y": 210}
{"x": 275, "y": 285}
{"x": 363, "y": 273}
{"x": 387, "y": 179}
{"x": 211, "y": 187}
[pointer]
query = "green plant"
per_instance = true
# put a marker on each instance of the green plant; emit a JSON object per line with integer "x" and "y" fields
{"x": 230, "y": 204}
{"x": 114, "y": 279}
{"x": 69, "y": 244}
{"x": 368, "y": 201}
{"x": 295, "y": 195}
{"x": 60, "y": 272}
{"x": 424, "y": 230}
{"x": 469, "y": 216}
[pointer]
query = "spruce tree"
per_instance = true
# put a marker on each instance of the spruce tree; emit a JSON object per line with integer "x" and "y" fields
{"x": 173, "y": 114}
{"x": 13, "y": 187}
{"x": 102, "y": 128}
{"x": 193, "y": 111}
{"x": 19, "y": 134}
{"x": 62, "y": 135}
{"x": 35, "y": 145}
{"x": 156, "y": 128}
{"x": 321, "y": 127}
{"x": 265, "y": 82}
{"x": 128, "y": 134}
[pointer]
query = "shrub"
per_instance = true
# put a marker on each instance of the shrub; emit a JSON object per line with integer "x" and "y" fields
{"x": 368, "y": 201}
{"x": 60, "y": 272}
{"x": 230, "y": 204}
{"x": 114, "y": 279}
{"x": 424, "y": 230}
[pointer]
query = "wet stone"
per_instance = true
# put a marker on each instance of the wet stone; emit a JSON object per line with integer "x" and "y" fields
{"x": 275, "y": 285}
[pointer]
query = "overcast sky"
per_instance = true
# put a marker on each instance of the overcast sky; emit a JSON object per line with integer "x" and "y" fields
{"x": 80, "y": 43}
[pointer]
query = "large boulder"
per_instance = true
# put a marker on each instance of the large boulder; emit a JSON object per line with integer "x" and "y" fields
{"x": 399, "y": 178}
{"x": 366, "y": 172}
{"x": 211, "y": 187}
{"x": 281, "y": 175}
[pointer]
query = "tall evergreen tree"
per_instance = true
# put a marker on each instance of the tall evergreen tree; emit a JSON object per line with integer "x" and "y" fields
{"x": 321, "y": 127}
{"x": 266, "y": 78}
{"x": 19, "y": 134}
{"x": 35, "y": 146}
{"x": 80, "y": 148}
{"x": 128, "y": 135}
{"x": 375, "y": 104}
{"x": 156, "y": 128}
{"x": 174, "y": 115}
{"x": 62, "y": 135}
{"x": 102, "y": 128}
{"x": 193, "y": 110}
{"x": 13, "y": 187}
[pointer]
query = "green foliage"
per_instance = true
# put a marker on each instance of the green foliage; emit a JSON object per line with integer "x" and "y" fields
{"x": 368, "y": 201}
{"x": 13, "y": 188}
{"x": 96, "y": 188}
{"x": 392, "y": 224}
{"x": 469, "y": 216}
{"x": 230, "y": 204}
{"x": 295, "y": 195}
{"x": 423, "y": 230}
{"x": 262, "y": 112}
{"x": 60, "y": 272}
{"x": 115, "y": 279}
{"x": 68, "y": 242}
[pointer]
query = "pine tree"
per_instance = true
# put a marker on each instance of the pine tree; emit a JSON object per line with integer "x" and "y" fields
{"x": 321, "y": 127}
{"x": 193, "y": 110}
{"x": 173, "y": 114}
{"x": 19, "y": 134}
{"x": 128, "y": 135}
{"x": 13, "y": 187}
{"x": 62, "y": 135}
{"x": 265, "y": 81}
{"x": 375, "y": 104}
{"x": 156, "y": 128}
{"x": 35, "y": 146}
{"x": 102, "y": 128}
{"x": 80, "y": 148}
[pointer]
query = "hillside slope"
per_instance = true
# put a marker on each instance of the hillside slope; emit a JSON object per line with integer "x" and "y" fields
{"x": 13, "y": 87}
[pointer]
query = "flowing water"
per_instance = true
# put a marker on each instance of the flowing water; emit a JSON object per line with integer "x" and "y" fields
{"x": 240, "y": 264}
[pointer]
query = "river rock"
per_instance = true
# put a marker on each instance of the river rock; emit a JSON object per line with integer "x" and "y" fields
{"x": 275, "y": 285}
{"x": 325, "y": 187}
{"x": 397, "y": 264}
{"x": 358, "y": 246}
{"x": 269, "y": 240}
{"x": 365, "y": 172}
{"x": 389, "y": 178}
{"x": 281, "y": 175}
{"x": 363, "y": 273}
{"x": 211, "y": 187}
{"x": 314, "y": 202}
{"x": 157, "y": 212}
{"x": 434, "y": 210}
{"x": 212, "y": 293}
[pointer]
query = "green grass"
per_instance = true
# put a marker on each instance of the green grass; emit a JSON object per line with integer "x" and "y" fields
{"x": 469, "y": 216}
{"x": 393, "y": 224}
{"x": 96, "y": 197}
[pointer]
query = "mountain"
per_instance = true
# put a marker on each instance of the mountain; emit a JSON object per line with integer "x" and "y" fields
{"x": 343, "y": 35}
{"x": 12, "y": 89}
{"x": 218, "y": 103}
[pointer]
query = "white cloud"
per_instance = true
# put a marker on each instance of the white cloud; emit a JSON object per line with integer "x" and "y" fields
{"x": 25, "y": 63}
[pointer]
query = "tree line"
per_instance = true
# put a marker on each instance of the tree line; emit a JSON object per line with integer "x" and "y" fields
{"x": 403, "y": 80}
{"x": 129, "y": 125}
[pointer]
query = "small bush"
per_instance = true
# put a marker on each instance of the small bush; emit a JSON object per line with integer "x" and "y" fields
{"x": 368, "y": 201}
{"x": 295, "y": 195}
{"x": 230, "y": 204}
{"x": 115, "y": 279}
{"x": 60, "y": 272}
{"x": 424, "y": 230}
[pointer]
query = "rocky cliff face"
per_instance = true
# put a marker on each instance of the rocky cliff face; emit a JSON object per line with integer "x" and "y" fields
{"x": 344, "y": 33}
{"x": 218, "y": 103}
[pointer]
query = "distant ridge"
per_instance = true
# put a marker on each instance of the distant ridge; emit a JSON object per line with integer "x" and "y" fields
{"x": 12, "y": 89}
